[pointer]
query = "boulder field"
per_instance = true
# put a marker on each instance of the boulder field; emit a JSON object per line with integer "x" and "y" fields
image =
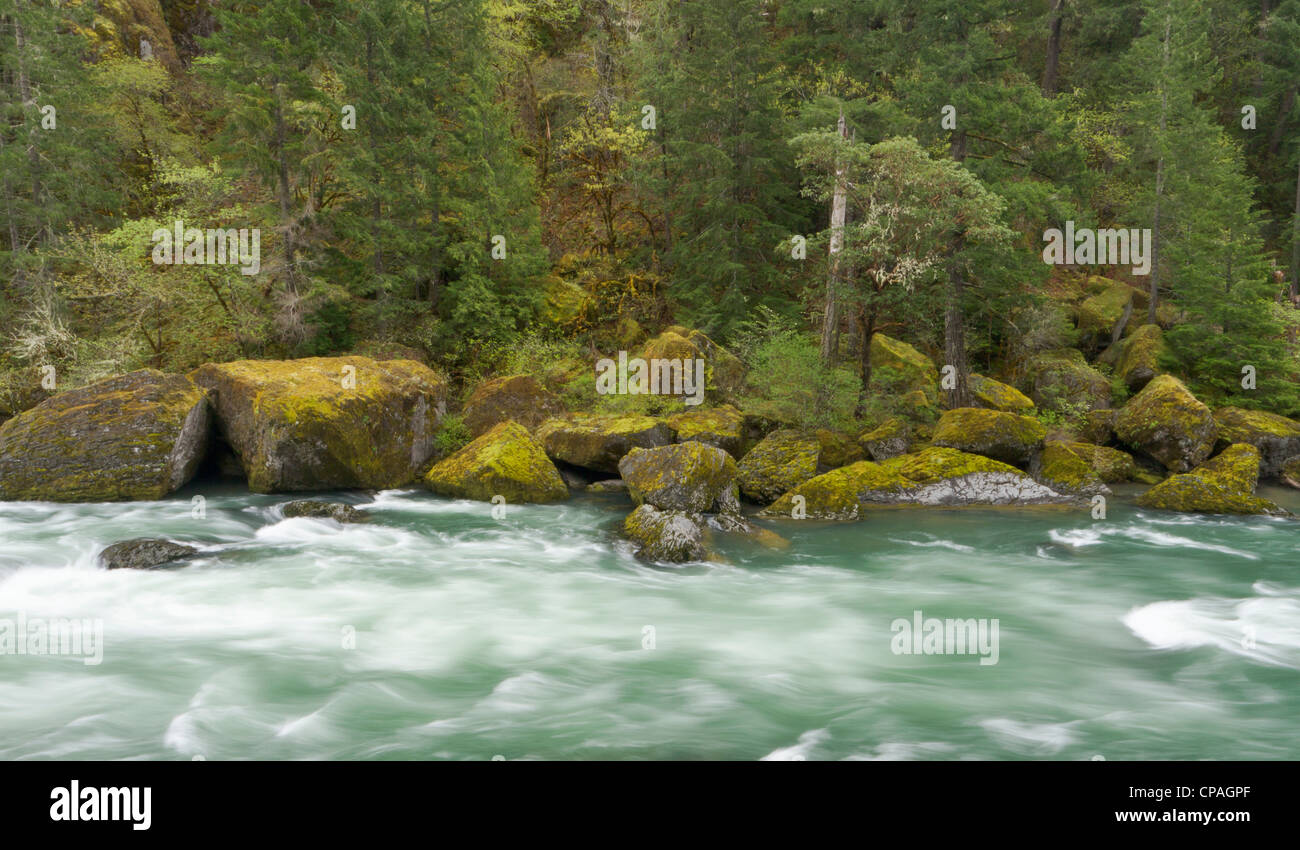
{"x": 330, "y": 423}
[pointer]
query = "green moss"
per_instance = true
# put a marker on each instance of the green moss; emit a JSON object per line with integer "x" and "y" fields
{"x": 939, "y": 464}
{"x": 505, "y": 461}
{"x": 688, "y": 476}
{"x": 1167, "y": 422}
{"x": 1099, "y": 313}
{"x": 1238, "y": 425}
{"x": 840, "y": 493}
{"x": 1061, "y": 380}
{"x": 1003, "y": 436}
{"x": 891, "y": 438}
{"x": 1222, "y": 485}
{"x": 1066, "y": 471}
{"x": 779, "y": 463}
{"x": 719, "y": 426}
{"x": 518, "y": 398}
{"x": 1140, "y": 356}
{"x": 996, "y": 395}
{"x": 1110, "y": 465}
{"x": 600, "y": 442}
{"x": 909, "y": 368}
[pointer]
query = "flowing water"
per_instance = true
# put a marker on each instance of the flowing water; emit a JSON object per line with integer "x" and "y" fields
{"x": 437, "y": 631}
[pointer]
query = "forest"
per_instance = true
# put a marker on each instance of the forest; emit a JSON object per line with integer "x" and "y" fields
{"x": 495, "y": 187}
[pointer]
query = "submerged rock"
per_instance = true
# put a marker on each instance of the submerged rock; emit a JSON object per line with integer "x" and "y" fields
{"x": 600, "y": 442}
{"x": 136, "y": 436}
{"x": 1276, "y": 437}
{"x": 324, "y": 510}
{"x": 609, "y": 485}
{"x": 1007, "y": 437}
{"x": 515, "y": 398}
{"x": 325, "y": 423}
{"x": 144, "y": 553}
{"x": 1168, "y": 423}
{"x": 780, "y": 462}
{"x": 689, "y": 477}
{"x": 507, "y": 462}
{"x": 668, "y": 536}
{"x": 1224, "y": 484}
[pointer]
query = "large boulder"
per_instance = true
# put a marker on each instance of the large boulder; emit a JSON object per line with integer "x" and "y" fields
{"x": 1223, "y": 485}
{"x": 898, "y": 368}
{"x": 516, "y": 398}
{"x": 1008, "y": 437}
{"x": 931, "y": 477}
{"x": 325, "y": 423}
{"x": 1099, "y": 313}
{"x": 996, "y": 395}
{"x": 721, "y": 426}
{"x": 891, "y": 438}
{"x": 1168, "y": 423}
{"x": 136, "y": 436}
{"x": 600, "y": 442}
{"x": 667, "y": 536}
{"x": 1061, "y": 379}
{"x": 1065, "y": 471}
{"x": 1276, "y": 437}
{"x": 1098, "y": 426}
{"x": 1137, "y": 359}
{"x": 144, "y": 553}
{"x": 506, "y": 462}
{"x": 689, "y": 477}
{"x": 724, "y": 373}
{"x": 837, "y": 449}
{"x": 781, "y": 462}
{"x": 1110, "y": 465}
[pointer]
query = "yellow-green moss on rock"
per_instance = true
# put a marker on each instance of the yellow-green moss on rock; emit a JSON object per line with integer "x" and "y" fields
{"x": 1224, "y": 484}
{"x": 1062, "y": 378}
{"x": 891, "y": 438}
{"x": 1002, "y": 436}
{"x": 898, "y": 367}
{"x": 839, "y": 494}
{"x": 666, "y": 536}
{"x": 600, "y": 442}
{"x": 1100, "y": 313}
{"x": 136, "y": 436}
{"x": 838, "y": 449}
{"x": 1065, "y": 471}
{"x": 1111, "y": 465}
{"x": 506, "y": 462}
{"x": 1139, "y": 356}
{"x": 515, "y": 398}
{"x": 1168, "y": 423}
{"x": 1276, "y": 437}
{"x": 721, "y": 426}
{"x": 724, "y": 372}
{"x": 323, "y": 423}
{"x": 688, "y": 476}
{"x": 779, "y": 463}
{"x": 996, "y": 395}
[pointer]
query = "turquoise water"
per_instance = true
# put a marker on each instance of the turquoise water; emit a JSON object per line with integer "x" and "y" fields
{"x": 440, "y": 632}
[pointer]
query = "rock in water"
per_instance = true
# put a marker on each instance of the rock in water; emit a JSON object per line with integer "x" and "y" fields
{"x": 1168, "y": 423}
{"x": 1065, "y": 471}
{"x": 599, "y": 442}
{"x": 517, "y": 398}
{"x": 144, "y": 553}
{"x": 505, "y": 462}
{"x": 780, "y": 462}
{"x": 136, "y": 436}
{"x": 689, "y": 477}
{"x": 1223, "y": 485}
{"x": 668, "y": 536}
{"x": 324, "y": 510}
{"x": 324, "y": 423}
{"x": 1008, "y": 437}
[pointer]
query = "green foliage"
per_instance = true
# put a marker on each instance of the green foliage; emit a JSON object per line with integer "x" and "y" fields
{"x": 788, "y": 382}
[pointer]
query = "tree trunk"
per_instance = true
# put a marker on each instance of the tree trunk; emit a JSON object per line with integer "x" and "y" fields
{"x": 866, "y": 324}
{"x": 1160, "y": 182}
{"x": 1279, "y": 129}
{"x": 1295, "y": 242}
{"x": 283, "y": 196}
{"x": 1053, "y": 49}
{"x": 839, "y": 209}
{"x": 954, "y": 333}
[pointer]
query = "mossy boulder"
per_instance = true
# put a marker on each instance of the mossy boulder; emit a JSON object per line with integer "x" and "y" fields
{"x": 666, "y": 536}
{"x": 1065, "y": 471}
{"x": 563, "y": 302}
{"x": 1168, "y": 423}
{"x": 837, "y": 449}
{"x": 1111, "y": 465}
{"x": 1099, "y": 313}
{"x": 779, "y": 463}
{"x": 314, "y": 509}
{"x": 600, "y": 442}
{"x": 1224, "y": 484}
{"x": 996, "y": 395}
{"x": 1061, "y": 378}
{"x": 507, "y": 462}
{"x": 144, "y": 553}
{"x": 1139, "y": 356}
{"x": 515, "y": 398}
{"x": 724, "y": 372}
{"x": 120, "y": 26}
{"x": 891, "y": 438}
{"x": 136, "y": 436}
{"x": 1098, "y": 426}
{"x": 1290, "y": 473}
{"x": 722, "y": 426}
{"x": 1276, "y": 437}
{"x": 688, "y": 477}
{"x": 324, "y": 423}
{"x": 841, "y": 493}
{"x": 897, "y": 367}
{"x": 1008, "y": 437}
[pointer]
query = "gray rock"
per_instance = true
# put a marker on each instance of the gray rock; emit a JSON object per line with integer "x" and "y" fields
{"x": 324, "y": 510}
{"x": 145, "y": 553}
{"x": 667, "y": 536}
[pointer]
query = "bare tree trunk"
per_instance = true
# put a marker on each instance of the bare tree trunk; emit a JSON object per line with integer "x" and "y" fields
{"x": 1053, "y": 49}
{"x": 839, "y": 210}
{"x": 1160, "y": 183}
{"x": 954, "y": 334}
{"x": 1295, "y": 243}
